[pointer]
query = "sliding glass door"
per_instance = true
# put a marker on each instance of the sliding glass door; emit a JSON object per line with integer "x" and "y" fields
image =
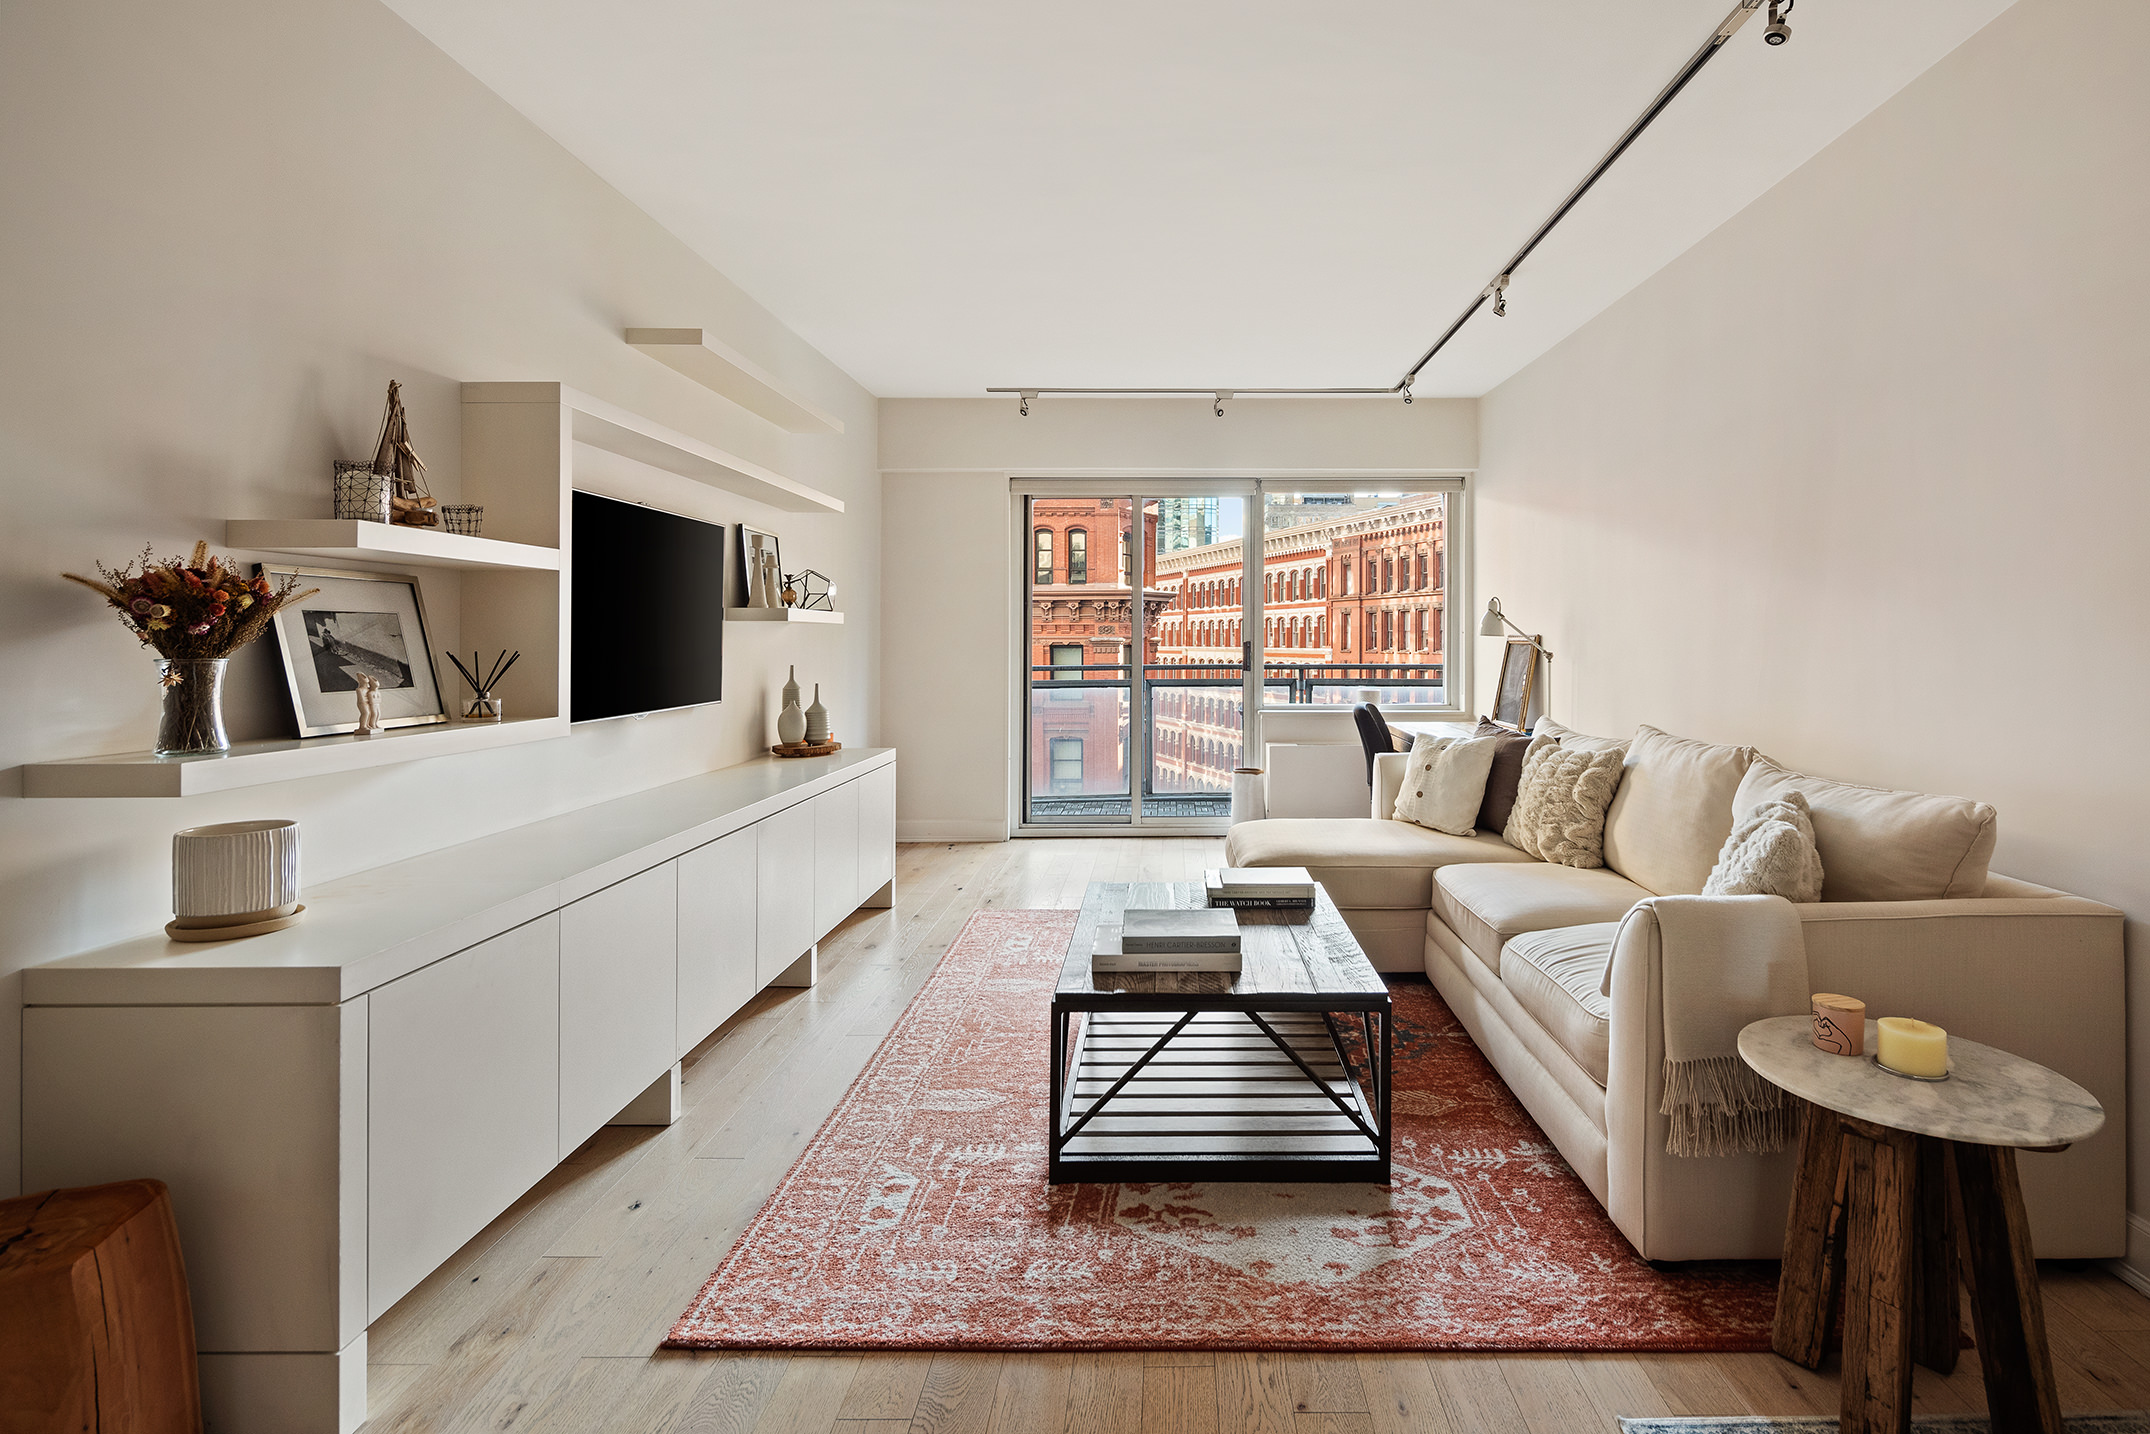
{"x": 1137, "y": 698}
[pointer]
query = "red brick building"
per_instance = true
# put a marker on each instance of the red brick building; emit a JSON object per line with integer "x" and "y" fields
{"x": 1352, "y": 588}
{"x": 1083, "y": 613}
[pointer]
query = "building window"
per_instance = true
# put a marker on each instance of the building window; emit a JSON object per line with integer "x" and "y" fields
{"x": 1044, "y": 540}
{"x": 1422, "y": 570}
{"x": 1343, "y": 630}
{"x": 1078, "y": 555}
{"x": 1127, "y": 562}
{"x": 1067, "y": 667}
{"x": 1373, "y": 576}
{"x": 1064, "y": 755}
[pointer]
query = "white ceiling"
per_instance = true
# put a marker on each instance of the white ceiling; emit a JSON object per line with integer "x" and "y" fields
{"x": 948, "y": 195}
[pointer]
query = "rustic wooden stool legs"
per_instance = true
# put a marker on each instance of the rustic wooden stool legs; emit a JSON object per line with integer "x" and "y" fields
{"x": 1882, "y": 1214}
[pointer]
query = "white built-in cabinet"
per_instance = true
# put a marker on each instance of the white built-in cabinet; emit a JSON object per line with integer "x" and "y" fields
{"x": 464, "y": 1061}
{"x": 719, "y": 896}
{"x": 338, "y": 1108}
{"x": 619, "y": 994}
{"x": 784, "y": 891}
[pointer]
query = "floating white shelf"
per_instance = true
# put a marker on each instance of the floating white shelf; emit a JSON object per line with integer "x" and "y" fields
{"x": 614, "y": 429}
{"x": 250, "y": 764}
{"x": 349, "y": 540}
{"x": 712, "y": 365}
{"x": 780, "y": 614}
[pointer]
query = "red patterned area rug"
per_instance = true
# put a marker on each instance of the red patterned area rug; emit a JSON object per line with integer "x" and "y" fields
{"x": 919, "y": 1217}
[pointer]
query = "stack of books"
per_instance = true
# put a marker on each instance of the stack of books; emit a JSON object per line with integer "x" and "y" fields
{"x": 1261, "y": 888}
{"x": 1156, "y": 941}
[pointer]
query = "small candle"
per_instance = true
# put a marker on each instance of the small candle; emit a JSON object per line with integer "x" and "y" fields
{"x": 1912, "y": 1047}
{"x": 1839, "y": 1024}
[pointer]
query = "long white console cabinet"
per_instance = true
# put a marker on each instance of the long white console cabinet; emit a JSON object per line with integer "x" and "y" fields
{"x": 340, "y": 1106}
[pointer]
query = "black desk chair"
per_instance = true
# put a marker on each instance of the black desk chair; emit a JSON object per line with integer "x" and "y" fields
{"x": 1374, "y": 736}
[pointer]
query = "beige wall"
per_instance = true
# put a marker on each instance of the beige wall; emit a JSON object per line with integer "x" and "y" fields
{"x": 948, "y": 587}
{"x": 225, "y": 227}
{"x": 1861, "y": 478}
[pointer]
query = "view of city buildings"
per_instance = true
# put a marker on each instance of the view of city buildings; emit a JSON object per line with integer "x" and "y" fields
{"x": 1353, "y": 595}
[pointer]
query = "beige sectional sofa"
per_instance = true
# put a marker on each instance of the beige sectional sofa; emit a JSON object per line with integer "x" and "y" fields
{"x": 1520, "y": 948}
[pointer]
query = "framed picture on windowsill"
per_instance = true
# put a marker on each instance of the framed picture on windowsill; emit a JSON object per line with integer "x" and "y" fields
{"x": 1511, "y": 701}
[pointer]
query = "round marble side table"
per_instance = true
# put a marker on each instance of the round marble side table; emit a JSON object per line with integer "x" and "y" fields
{"x": 1904, "y": 1188}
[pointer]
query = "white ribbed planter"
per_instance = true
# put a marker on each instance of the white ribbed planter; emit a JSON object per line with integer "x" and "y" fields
{"x": 236, "y": 869}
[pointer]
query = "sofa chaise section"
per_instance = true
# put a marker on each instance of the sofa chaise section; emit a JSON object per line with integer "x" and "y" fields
{"x": 1520, "y": 950}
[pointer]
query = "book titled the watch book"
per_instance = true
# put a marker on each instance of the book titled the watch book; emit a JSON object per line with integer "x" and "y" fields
{"x": 1273, "y": 888}
{"x": 1107, "y": 958}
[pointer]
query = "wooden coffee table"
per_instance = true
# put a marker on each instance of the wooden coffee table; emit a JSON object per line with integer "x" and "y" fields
{"x": 1904, "y": 1188}
{"x": 1212, "y": 1076}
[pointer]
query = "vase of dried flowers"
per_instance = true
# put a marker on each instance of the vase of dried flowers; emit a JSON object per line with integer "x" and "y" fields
{"x": 195, "y": 614}
{"x": 193, "y": 716}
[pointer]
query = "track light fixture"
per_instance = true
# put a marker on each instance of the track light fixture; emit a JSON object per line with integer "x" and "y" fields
{"x": 1776, "y": 32}
{"x": 1028, "y": 394}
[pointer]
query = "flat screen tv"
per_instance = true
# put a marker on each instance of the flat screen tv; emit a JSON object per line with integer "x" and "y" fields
{"x": 648, "y": 610}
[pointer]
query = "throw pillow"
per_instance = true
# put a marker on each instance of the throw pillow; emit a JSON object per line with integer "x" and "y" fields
{"x": 1881, "y": 845}
{"x": 1771, "y": 852}
{"x": 1668, "y": 824}
{"x": 1559, "y": 811}
{"x": 1569, "y": 737}
{"x": 1505, "y": 777}
{"x": 1444, "y": 783}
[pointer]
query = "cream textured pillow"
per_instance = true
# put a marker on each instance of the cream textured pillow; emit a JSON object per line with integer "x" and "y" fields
{"x": 1559, "y": 811}
{"x": 1881, "y": 845}
{"x": 1771, "y": 852}
{"x": 1445, "y": 781}
{"x": 1668, "y": 825}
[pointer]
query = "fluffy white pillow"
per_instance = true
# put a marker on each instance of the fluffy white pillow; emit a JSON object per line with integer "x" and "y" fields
{"x": 1445, "y": 782}
{"x": 1771, "y": 852}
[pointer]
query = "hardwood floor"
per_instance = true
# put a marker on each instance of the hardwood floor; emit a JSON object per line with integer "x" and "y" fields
{"x": 549, "y": 1320}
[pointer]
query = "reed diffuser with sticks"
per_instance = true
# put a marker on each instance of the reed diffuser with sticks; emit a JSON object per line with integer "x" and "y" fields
{"x": 484, "y": 706}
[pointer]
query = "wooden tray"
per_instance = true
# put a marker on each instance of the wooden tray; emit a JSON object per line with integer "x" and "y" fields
{"x": 807, "y": 749}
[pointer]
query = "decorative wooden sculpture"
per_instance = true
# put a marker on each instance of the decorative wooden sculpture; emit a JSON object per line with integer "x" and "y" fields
{"x": 409, "y": 501}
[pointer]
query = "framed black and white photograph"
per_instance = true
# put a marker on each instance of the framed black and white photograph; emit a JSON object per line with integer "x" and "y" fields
{"x": 358, "y": 624}
{"x": 754, "y": 566}
{"x": 1511, "y": 702}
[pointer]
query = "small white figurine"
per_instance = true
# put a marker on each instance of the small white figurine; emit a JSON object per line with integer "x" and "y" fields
{"x": 369, "y": 704}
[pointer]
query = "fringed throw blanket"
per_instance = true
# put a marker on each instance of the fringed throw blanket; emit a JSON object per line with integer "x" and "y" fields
{"x": 1727, "y": 961}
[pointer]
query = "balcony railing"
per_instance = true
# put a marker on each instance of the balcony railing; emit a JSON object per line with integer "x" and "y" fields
{"x": 1195, "y": 720}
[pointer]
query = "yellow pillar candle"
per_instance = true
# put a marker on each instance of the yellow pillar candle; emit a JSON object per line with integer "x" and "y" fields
{"x": 1913, "y": 1047}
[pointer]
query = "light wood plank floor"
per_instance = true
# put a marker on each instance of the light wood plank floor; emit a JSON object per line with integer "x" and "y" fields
{"x": 549, "y": 1320}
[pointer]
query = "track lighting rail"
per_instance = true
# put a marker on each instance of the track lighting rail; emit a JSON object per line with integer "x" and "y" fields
{"x": 1496, "y": 290}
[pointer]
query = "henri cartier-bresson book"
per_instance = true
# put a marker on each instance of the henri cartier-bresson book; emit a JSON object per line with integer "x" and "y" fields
{"x": 1284, "y": 888}
{"x": 1151, "y": 932}
{"x": 1106, "y": 958}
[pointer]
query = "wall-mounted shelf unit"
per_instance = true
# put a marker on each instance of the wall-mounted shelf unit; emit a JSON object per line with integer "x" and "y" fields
{"x": 510, "y": 591}
{"x": 348, "y": 540}
{"x": 779, "y": 614}
{"x": 250, "y": 764}
{"x": 614, "y": 429}
{"x": 725, "y": 371}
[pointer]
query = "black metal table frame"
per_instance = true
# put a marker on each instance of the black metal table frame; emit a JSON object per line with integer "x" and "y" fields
{"x": 1377, "y": 1024}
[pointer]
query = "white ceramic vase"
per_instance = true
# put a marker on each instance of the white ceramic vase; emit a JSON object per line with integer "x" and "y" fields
{"x": 817, "y": 719}
{"x": 791, "y": 722}
{"x": 236, "y": 869}
{"x": 1248, "y": 801}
